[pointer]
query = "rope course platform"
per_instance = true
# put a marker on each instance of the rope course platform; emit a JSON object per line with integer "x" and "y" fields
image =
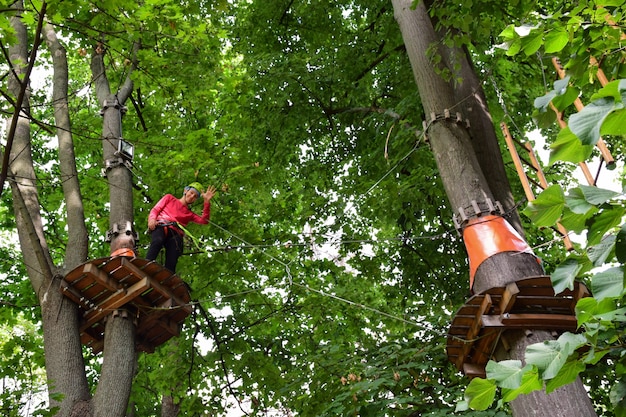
{"x": 157, "y": 299}
{"x": 526, "y": 304}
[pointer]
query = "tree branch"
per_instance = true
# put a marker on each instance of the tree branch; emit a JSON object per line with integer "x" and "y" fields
{"x": 22, "y": 94}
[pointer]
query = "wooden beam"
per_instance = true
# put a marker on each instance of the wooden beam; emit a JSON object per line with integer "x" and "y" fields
{"x": 115, "y": 301}
{"x": 101, "y": 277}
{"x": 508, "y": 297}
{"x": 156, "y": 286}
{"x": 474, "y": 329}
{"x": 484, "y": 347}
{"x": 517, "y": 162}
{"x": 71, "y": 293}
{"x": 473, "y": 370}
{"x": 531, "y": 321}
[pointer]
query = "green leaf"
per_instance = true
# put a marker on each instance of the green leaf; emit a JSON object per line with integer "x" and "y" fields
{"x": 603, "y": 222}
{"x": 617, "y": 395}
{"x": 586, "y": 123}
{"x": 543, "y": 103}
{"x": 599, "y": 253}
{"x": 568, "y": 374}
{"x": 564, "y": 275}
{"x": 615, "y": 89}
{"x": 589, "y": 308}
{"x": 560, "y": 87}
{"x": 596, "y": 195}
{"x": 570, "y": 342}
{"x": 509, "y": 33}
{"x": 576, "y": 201}
{"x": 480, "y": 393}
{"x": 620, "y": 244}
{"x": 566, "y": 98}
{"x": 546, "y": 209}
{"x": 608, "y": 283}
{"x": 614, "y": 123}
{"x": 556, "y": 40}
{"x": 461, "y": 406}
{"x": 508, "y": 374}
{"x": 544, "y": 118}
{"x": 530, "y": 383}
{"x": 547, "y": 356}
{"x": 569, "y": 148}
{"x": 576, "y": 222}
{"x": 532, "y": 42}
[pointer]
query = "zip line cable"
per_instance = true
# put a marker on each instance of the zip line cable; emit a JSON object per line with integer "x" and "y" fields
{"x": 286, "y": 266}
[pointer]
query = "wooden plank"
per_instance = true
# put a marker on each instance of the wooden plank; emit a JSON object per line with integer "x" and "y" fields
{"x": 463, "y": 320}
{"x": 538, "y": 304}
{"x": 484, "y": 307}
{"x": 101, "y": 277}
{"x": 115, "y": 301}
{"x": 80, "y": 280}
{"x": 517, "y": 162}
{"x": 473, "y": 370}
{"x": 484, "y": 347}
{"x": 74, "y": 295}
{"x": 531, "y": 321}
{"x": 508, "y": 298}
{"x": 156, "y": 286}
{"x": 472, "y": 333}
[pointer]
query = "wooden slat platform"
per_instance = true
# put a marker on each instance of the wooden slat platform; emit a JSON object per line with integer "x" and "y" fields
{"x": 157, "y": 298}
{"x": 526, "y": 304}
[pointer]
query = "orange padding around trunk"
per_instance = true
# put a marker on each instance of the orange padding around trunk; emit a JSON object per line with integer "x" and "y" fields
{"x": 487, "y": 236}
{"x": 124, "y": 252}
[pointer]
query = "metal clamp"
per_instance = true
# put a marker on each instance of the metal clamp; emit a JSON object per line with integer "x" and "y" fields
{"x": 117, "y": 230}
{"x": 115, "y": 104}
{"x": 476, "y": 209}
{"x": 109, "y": 164}
{"x": 446, "y": 115}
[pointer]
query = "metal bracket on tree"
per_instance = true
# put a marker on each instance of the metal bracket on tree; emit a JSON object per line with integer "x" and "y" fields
{"x": 446, "y": 115}
{"x": 117, "y": 230}
{"x": 477, "y": 209}
{"x": 109, "y": 164}
{"x": 115, "y": 104}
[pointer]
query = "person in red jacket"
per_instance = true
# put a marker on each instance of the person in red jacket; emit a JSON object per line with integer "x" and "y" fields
{"x": 166, "y": 216}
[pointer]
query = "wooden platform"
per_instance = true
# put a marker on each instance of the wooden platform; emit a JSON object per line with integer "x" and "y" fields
{"x": 157, "y": 299}
{"x": 526, "y": 304}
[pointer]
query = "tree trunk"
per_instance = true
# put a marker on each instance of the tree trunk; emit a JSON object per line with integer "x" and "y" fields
{"x": 465, "y": 183}
{"x": 471, "y": 101}
{"x": 118, "y": 366}
{"x": 64, "y": 364}
{"x": 119, "y": 357}
{"x": 169, "y": 408}
{"x": 77, "y": 231}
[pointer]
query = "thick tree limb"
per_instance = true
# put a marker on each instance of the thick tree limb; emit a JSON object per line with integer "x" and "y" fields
{"x": 20, "y": 98}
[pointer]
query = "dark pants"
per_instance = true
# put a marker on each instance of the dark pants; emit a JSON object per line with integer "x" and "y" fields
{"x": 169, "y": 237}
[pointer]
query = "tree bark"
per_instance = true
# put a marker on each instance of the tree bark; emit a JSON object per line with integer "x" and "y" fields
{"x": 64, "y": 338}
{"x": 77, "y": 231}
{"x": 119, "y": 357}
{"x": 118, "y": 366}
{"x": 471, "y": 101}
{"x": 64, "y": 365}
{"x": 169, "y": 408}
{"x": 464, "y": 181}
{"x": 569, "y": 400}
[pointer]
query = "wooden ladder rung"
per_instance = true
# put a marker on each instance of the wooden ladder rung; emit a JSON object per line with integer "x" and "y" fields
{"x": 531, "y": 321}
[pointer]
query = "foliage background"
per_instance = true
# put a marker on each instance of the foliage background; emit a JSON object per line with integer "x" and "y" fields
{"x": 328, "y": 276}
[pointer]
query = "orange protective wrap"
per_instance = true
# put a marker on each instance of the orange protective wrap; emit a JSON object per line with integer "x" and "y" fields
{"x": 124, "y": 252}
{"x": 487, "y": 236}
